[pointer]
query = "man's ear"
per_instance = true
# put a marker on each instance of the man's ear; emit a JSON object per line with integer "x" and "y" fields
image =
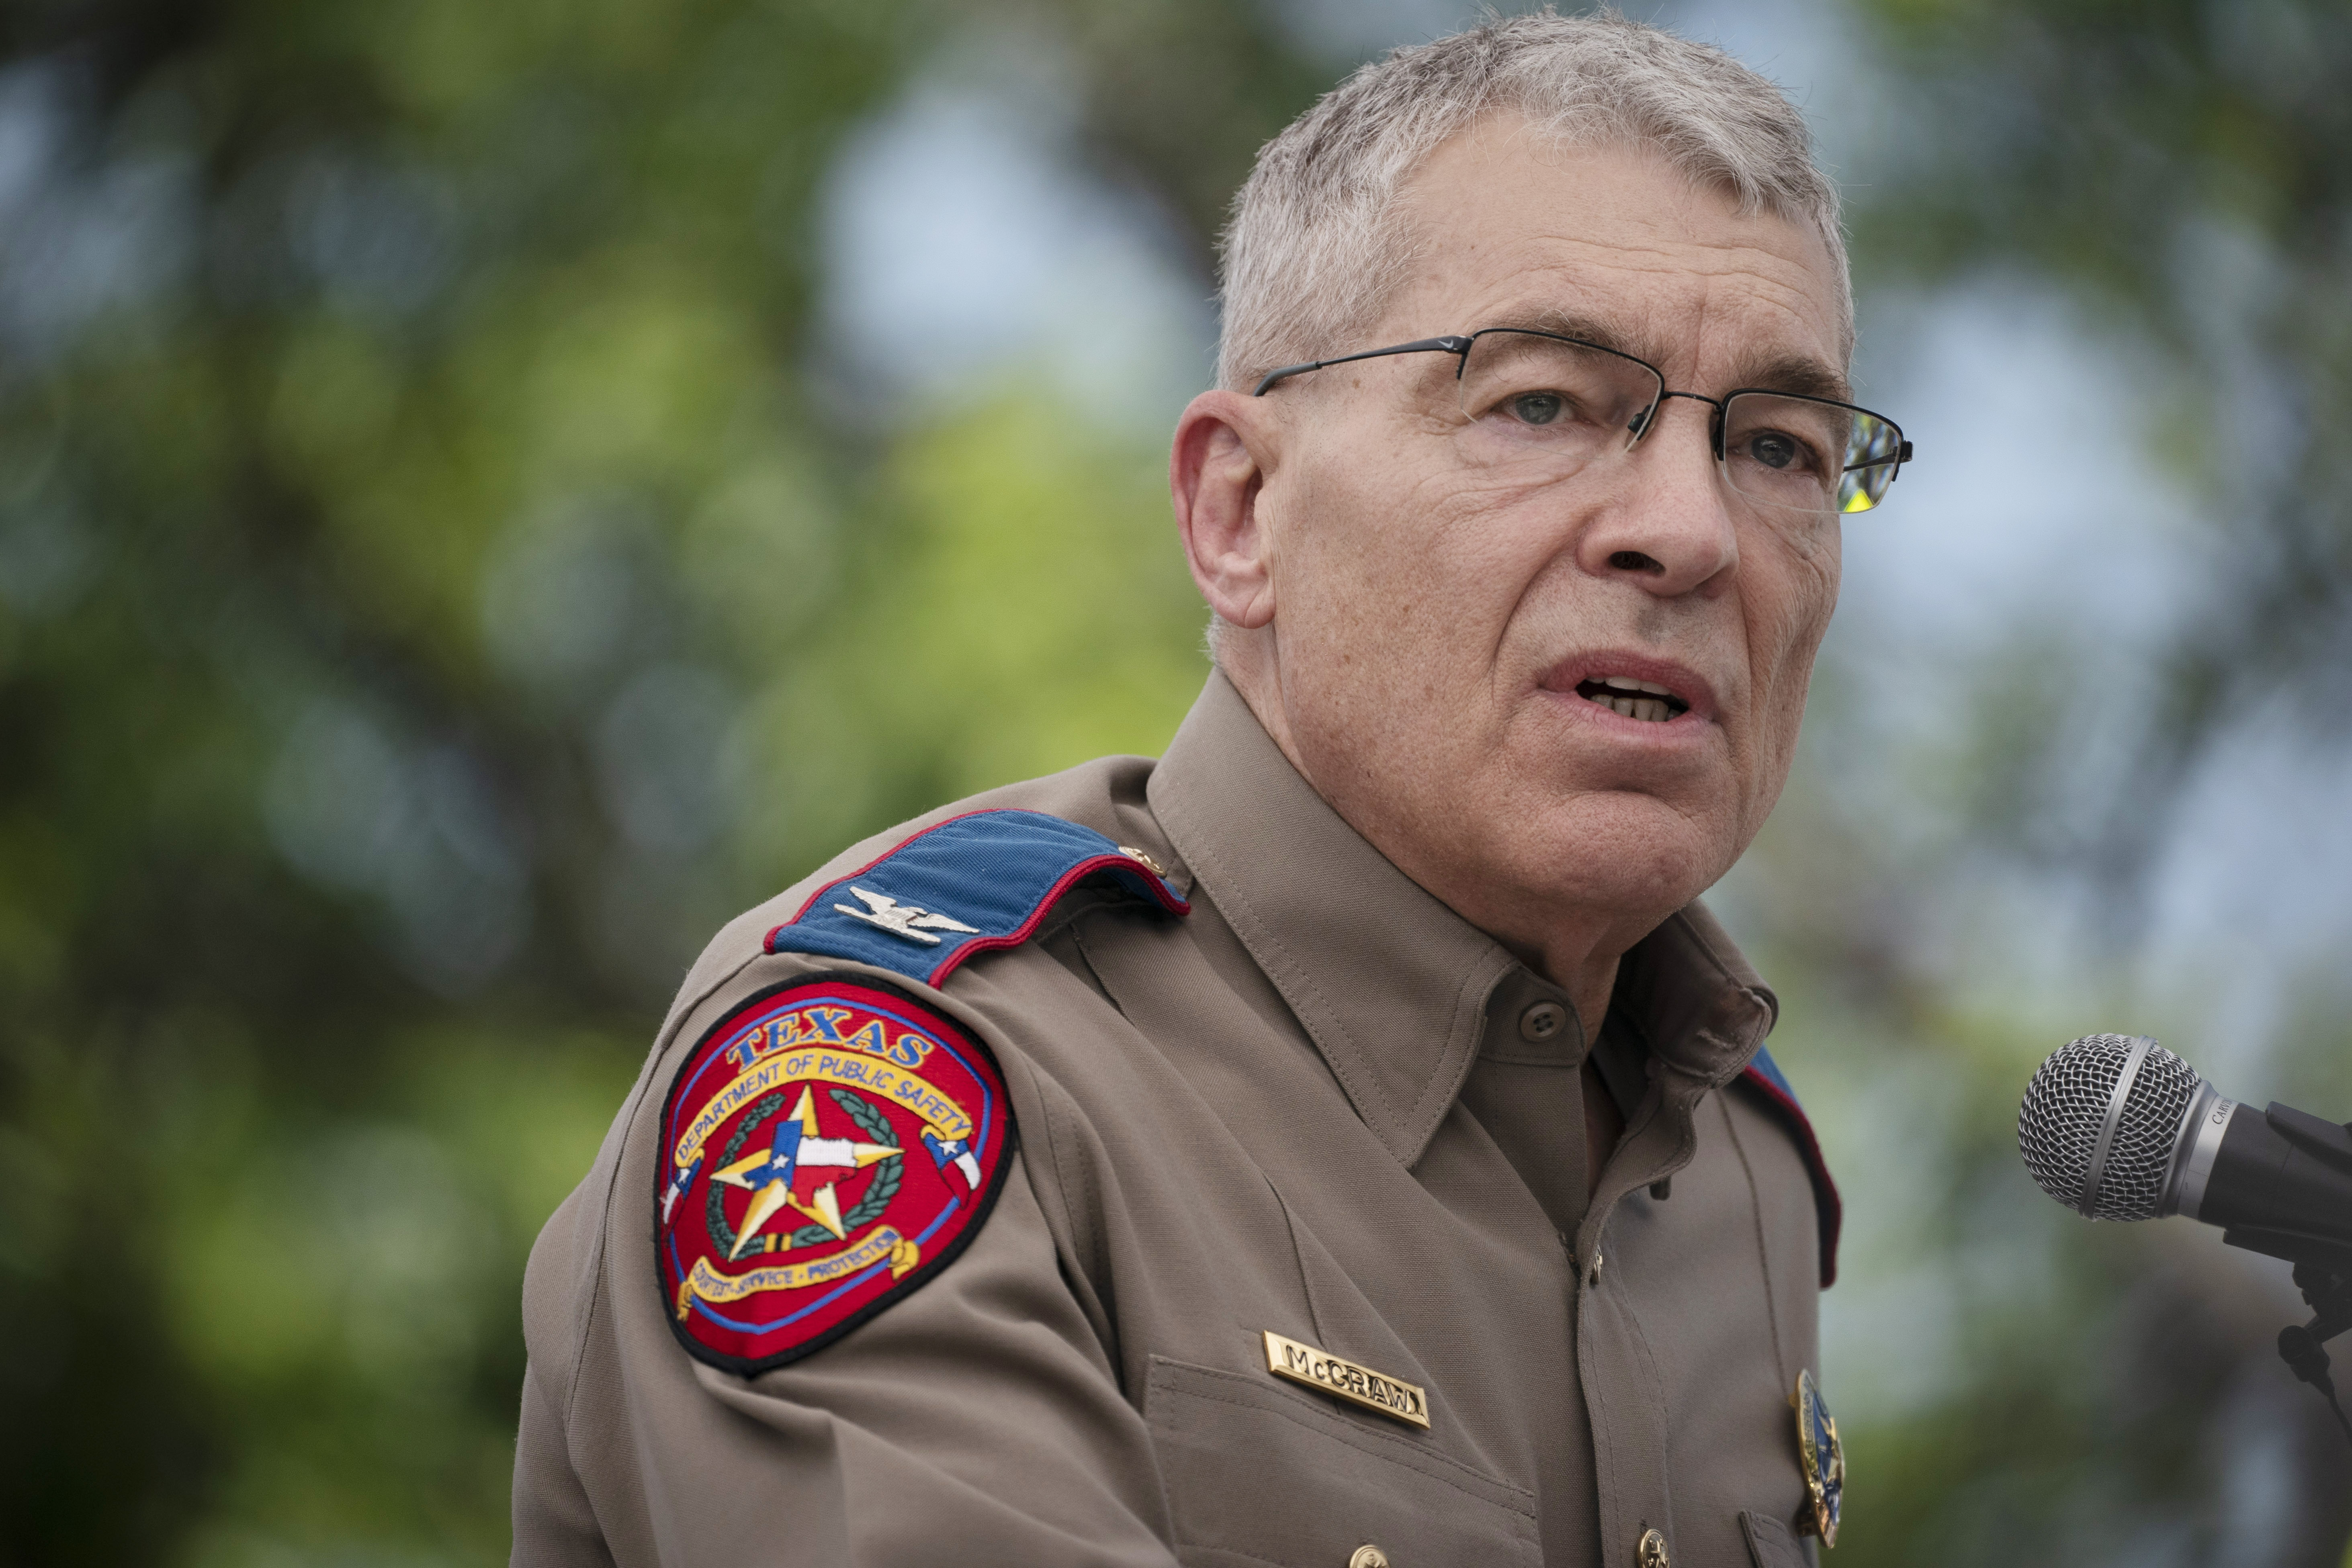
{"x": 1216, "y": 470}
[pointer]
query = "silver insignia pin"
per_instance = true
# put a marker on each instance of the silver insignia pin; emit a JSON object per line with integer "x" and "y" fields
{"x": 911, "y": 920}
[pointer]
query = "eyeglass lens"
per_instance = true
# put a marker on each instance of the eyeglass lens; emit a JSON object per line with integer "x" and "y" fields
{"x": 1549, "y": 406}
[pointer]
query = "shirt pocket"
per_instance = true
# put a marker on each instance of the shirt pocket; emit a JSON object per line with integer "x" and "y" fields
{"x": 1257, "y": 1475}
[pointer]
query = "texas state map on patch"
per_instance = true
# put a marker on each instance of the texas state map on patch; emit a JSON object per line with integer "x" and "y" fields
{"x": 825, "y": 1149}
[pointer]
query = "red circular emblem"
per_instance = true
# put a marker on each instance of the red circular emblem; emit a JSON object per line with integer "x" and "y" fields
{"x": 826, "y": 1149}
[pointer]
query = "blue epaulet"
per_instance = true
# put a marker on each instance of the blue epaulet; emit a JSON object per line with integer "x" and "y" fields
{"x": 986, "y": 879}
{"x": 1764, "y": 1074}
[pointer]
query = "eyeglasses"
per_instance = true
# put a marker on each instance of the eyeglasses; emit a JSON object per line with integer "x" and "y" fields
{"x": 1545, "y": 405}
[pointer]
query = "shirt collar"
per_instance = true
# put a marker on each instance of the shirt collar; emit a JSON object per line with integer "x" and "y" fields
{"x": 1393, "y": 987}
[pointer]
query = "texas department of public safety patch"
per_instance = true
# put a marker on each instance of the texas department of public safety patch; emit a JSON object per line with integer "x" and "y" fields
{"x": 827, "y": 1148}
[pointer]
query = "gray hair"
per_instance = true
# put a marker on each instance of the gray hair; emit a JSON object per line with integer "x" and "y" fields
{"x": 1314, "y": 247}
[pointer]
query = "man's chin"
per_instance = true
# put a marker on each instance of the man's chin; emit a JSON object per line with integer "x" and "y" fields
{"x": 1621, "y": 849}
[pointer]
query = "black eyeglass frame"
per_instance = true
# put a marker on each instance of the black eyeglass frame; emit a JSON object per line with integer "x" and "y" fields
{"x": 1459, "y": 347}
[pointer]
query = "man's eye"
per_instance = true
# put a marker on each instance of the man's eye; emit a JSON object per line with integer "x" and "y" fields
{"x": 1775, "y": 450}
{"x": 1537, "y": 407}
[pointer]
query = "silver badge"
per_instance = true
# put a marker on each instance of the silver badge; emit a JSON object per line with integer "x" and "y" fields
{"x": 911, "y": 920}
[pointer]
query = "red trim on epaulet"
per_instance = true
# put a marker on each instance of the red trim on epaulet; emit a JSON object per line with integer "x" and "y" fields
{"x": 1028, "y": 928}
{"x": 1135, "y": 871}
{"x": 1829, "y": 1209}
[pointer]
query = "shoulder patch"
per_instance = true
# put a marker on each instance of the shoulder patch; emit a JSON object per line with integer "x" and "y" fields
{"x": 1763, "y": 1075}
{"x": 983, "y": 880}
{"x": 825, "y": 1149}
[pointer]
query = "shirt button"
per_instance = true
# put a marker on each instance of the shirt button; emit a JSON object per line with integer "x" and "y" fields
{"x": 1368, "y": 1556}
{"x": 1542, "y": 1021}
{"x": 1652, "y": 1552}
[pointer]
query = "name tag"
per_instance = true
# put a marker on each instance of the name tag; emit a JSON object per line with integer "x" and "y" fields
{"x": 1392, "y": 1397}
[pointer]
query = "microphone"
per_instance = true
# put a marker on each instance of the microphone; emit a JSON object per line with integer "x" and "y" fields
{"x": 2116, "y": 1127}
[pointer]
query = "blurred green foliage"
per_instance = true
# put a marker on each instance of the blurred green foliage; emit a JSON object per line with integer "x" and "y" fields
{"x": 2048, "y": 1392}
{"x": 2177, "y": 166}
{"x": 440, "y": 581}
{"x": 433, "y": 596}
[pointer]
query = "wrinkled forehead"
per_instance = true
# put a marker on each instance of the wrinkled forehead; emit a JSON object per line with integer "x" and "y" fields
{"x": 1503, "y": 226}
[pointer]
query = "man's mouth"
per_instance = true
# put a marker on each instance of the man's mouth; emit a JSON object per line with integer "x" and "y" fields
{"x": 1631, "y": 698}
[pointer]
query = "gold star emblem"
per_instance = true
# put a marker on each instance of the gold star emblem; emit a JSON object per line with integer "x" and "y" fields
{"x": 799, "y": 1171}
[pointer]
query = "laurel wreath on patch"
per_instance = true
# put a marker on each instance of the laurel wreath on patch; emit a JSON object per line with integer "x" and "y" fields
{"x": 878, "y": 1191}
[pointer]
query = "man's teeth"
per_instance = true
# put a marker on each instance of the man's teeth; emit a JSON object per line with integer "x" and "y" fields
{"x": 1631, "y": 698}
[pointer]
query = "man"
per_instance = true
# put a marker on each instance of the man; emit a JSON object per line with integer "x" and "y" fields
{"x": 1344, "y": 1141}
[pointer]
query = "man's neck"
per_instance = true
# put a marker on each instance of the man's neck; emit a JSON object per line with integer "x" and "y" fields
{"x": 1580, "y": 959}
{"x": 1588, "y": 988}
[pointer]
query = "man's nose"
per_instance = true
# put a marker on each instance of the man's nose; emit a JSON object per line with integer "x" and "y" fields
{"x": 1667, "y": 524}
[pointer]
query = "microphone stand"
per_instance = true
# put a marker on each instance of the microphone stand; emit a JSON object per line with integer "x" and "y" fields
{"x": 2323, "y": 1264}
{"x": 2330, "y": 1295}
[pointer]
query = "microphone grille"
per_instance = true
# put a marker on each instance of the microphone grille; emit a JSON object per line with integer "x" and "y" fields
{"x": 2066, "y": 1105}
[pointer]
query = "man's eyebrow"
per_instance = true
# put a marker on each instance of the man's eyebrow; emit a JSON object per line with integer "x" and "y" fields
{"x": 1584, "y": 329}
{"x": 1796, "y": 373}
{"x": 1799, "y": 374}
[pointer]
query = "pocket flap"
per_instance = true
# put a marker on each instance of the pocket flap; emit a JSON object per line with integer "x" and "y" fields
{"x": 1771, "y": 1542}
{"x": 1258, "y": 1474}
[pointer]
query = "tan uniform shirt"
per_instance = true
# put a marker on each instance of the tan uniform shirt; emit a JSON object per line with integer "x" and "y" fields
{"x": 1320, "y": 1104}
